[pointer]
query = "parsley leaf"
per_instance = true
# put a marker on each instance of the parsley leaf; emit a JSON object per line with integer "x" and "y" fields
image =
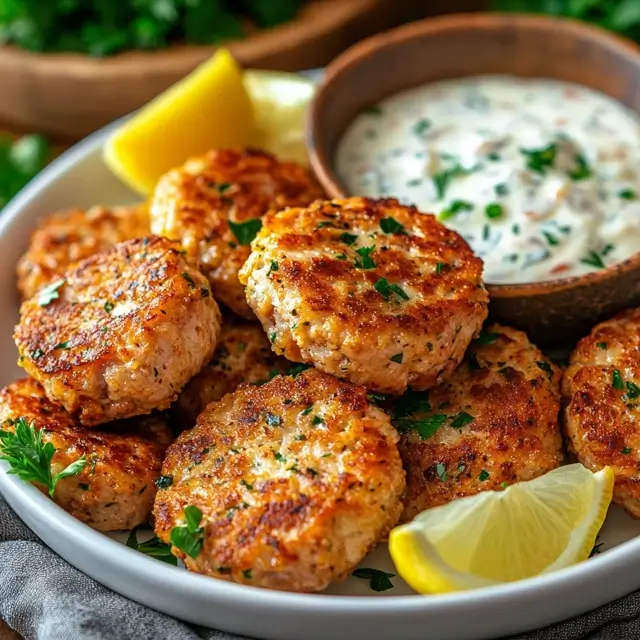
{"x": 493, "y": 211}
{"x": 539, "y": 160}
{"x": 50, "y": 292}
{"x": 455, "y": 207}
{"x": 616, "y": 380}
{"x": 397, "y": 358}
{"x": 424, "y": 427}
{"x": 347, "y": 238}
{"x": 379, "y": 580}
{"x": 462, "y": 420}
{"x": 189, "y": 279}
{"x": 188, "y": 537}
{"x": 246, "y": 231}
{"x": 29, "y": 457}
{"x": 546, "y": 367}
{"x": 582, "y": 170}
{"x": 441, "y": 180}
{"x": 385, "y": 289}
{"x": 153, "y": 547}
{"x": 364, "y": 261}
{"x": 593, "y": 259}
{"x": 486, "y": 337}
{"x": 484, "y": 475}
{"x": 391, "y": 225}
{"x": 627, "y": 194}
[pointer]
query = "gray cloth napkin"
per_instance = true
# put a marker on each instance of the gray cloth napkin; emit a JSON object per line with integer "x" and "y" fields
{"x": 44, "y": 598}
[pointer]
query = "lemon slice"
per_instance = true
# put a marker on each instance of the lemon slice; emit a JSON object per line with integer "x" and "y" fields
{"x": 280, "y": 102}
{"x": 209, "y": 108}
{"x": 500, "y": 536}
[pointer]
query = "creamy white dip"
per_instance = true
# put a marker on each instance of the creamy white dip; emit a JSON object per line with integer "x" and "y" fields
{"x": 540, "y": 177}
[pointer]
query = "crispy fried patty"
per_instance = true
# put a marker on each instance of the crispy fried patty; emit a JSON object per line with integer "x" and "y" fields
{"x": 367, "y": 290}
{"x": 243, "y": 354}
{"x": 115, "y": 489}
{"x": 296, "y": 480}
{"x": 194, "y": 204}
{"x": 493, "y": 423}
{"x": 67, "y": 237}
{"x": 601, "y": 392}
{"x": 122, "y": 333}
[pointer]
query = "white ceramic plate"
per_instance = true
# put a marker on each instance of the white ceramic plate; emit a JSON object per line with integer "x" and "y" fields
{"x": 79, "y": 178}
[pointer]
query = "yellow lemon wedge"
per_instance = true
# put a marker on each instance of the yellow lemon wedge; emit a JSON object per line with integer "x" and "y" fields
{"x": 207, "y": 109}
{"x": 280, "y": 102}
{"x": 494, "y": 537}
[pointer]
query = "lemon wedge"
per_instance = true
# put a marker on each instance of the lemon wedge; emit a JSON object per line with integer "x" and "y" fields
{"x": 280, "y": 102}
{"x": 500, "y": 536}
{"x": 209, "y": 108}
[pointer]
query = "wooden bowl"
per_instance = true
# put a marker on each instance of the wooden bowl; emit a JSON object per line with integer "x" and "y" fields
{"x": 554, "y": 311}
{"x": 71, "y": 95}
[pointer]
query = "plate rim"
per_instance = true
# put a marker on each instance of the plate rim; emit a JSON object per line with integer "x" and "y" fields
{"x": 598, "y": 568}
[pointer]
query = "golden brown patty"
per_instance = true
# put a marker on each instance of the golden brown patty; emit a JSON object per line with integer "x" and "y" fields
{"x": 367, "y": 290}
{"x": 601, "y": 392}
{"x": 296, "y": 479}
{"x": 67, "y": 237}
{"x": 243, "y": 354}
{"x": 115, "y": 490}
{"x": 194, "y": 203}
{"x": 493, "y": 423}
{"x": 122, "y": 333}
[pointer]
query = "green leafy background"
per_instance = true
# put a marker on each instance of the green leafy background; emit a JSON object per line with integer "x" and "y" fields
{"x": 103, "y": 27}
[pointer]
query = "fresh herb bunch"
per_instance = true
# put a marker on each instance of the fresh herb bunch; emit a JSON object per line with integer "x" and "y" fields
{"x": 30, "y": 458}
{"x": 20, "y": 160}
{"x": 622, "y": 16}
{"x": 104, "y": 27}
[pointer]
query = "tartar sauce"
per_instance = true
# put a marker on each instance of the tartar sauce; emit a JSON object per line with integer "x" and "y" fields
{"x": 541, "y": 177}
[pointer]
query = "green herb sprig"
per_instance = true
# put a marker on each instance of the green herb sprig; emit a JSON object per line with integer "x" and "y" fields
{"x": 153, "y": 547}
{"x": 189, "y": 537}
{"x": 378, "y": 580}
{"x": 30, "y": 458}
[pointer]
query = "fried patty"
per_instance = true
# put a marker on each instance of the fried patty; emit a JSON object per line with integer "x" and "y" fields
{"x": 115, "y": 489}
{"x": 122, "y": 333}
{"x": 296, "y": 479}
{"x": 67, "y": 237}
{"x": 367, "y": 290}
{"x": 194, "y": 204}
{"x": 493, "y": 423}
{"x": 601, "y": 393}
{"x": 243, "y": 354}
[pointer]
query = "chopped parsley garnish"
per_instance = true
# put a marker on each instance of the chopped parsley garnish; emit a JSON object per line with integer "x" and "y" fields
{"x": 633, "y": 390}
{"x": 246, "y": 231}
{"x": 307, "y": 411}
{"x": 188, "y": 537}
{"x": 273, "y": 420}
{"x": 300, "y": 437}
{"x": 494, "y": 157}
{"x": 204, "y": 292}
{"x": 486, "y": 337}
{"x": 391, "y": 225}
{"x": 279, "y": 457}
{"x": 616, "y": 380}
{"x": 462, "y": 420}
{"x": 627, "y": 194}
{"x": 29, "y": 457}
{"x": 108, "y": 306}
{"x": 163, "y": 482}
{"x": 421, "y": 127}
{"x": 551, "y": 239}
{"x": 626, "y": 451}
{"x": 602, "y": 345}
{"x": 493, "y": 211}
{"x": 441, "y": 180}
{"x": 297, "y": 369}
{"x": 189, "y": 279}
{"x": 247, "y": 574}
{"x": 364, "y": 260}
{"x": 539, "y": 160}
{"x": 50, "y": 293}
{"x": 455, "y": 207}
{"x": 386, "y": 290}
{"x": 439, "y": 267}
{"x": 274, "y": 266}
{"x": 593, "y": 259}
{"x": 154, "y": 547}
{"x": 424, "y": 427}
{"x": 347, "y": 238}
{"x": 62, "y": 345}
{"x": 501, "y": 189}
{"x": 441, "y": 472}
{"x": 324, "y": 224}
{"x": 486, "y": 232}
{"x": 397, "y": 358}
{"x": 546, "y": 367}
{"x": 272, "y": 336}
{"x": 484, "y": 475}
{"x": 341, "y": 256}
{"x": 317, "y": 420}
{"x": 582, "y": 170}
{"x": 379, "y": 580}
